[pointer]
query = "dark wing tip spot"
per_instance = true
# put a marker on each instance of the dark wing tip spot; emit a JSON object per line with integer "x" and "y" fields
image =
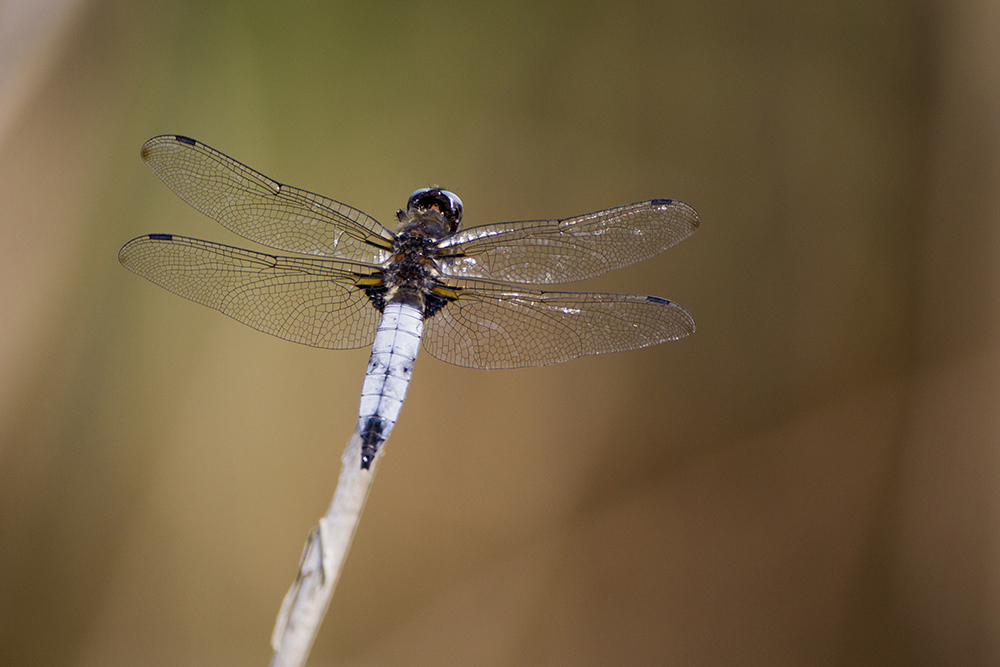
{"x": 185, "y": 140}
{"x": 662, "y": 202}
{"x": 656, "y": 299}
{"x": 161, "y": 237}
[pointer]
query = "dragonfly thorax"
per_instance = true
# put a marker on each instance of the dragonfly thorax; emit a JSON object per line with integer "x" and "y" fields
{"x": 411, "y": 274}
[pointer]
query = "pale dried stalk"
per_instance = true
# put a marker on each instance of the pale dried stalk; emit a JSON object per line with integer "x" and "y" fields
{"x": 323, "y": 558}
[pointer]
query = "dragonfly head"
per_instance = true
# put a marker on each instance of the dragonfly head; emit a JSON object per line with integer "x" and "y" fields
{"x": 437, "y": 199}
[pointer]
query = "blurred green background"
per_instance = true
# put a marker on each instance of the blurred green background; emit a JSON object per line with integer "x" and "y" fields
{"x": 810, "y": 479}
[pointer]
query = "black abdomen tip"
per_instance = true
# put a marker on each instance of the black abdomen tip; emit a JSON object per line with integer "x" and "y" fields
{"x": 371, "y": 439}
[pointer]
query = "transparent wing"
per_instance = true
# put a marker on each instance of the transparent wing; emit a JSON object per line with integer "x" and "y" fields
{"x": 492, "y": 325}
{"x": 260, "y": 209}
{"x": 317, "y": 302}
{"x": 561, "y": 251}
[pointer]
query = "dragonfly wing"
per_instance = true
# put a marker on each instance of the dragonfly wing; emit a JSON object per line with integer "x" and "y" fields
{"x": 317, "y": 302}
{"x": 261, "y": 209}
{"x": 491, "y": 325}
{"x": 560, "y": 251}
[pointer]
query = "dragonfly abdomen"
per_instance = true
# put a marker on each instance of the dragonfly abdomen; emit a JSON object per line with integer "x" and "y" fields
{"x": 394, "y": 351}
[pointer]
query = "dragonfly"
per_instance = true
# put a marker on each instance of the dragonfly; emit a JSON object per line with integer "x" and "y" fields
{"x": 354, "y": 283}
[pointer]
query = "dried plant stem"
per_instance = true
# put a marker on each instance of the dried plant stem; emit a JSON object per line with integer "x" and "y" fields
{"x": 323, "y": 558}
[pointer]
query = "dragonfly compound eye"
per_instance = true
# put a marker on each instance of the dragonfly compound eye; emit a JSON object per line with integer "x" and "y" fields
{"x": 447, "y": 203}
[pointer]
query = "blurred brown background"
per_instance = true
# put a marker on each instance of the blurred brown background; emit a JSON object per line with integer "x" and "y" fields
{"x": 811, "y": 479}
